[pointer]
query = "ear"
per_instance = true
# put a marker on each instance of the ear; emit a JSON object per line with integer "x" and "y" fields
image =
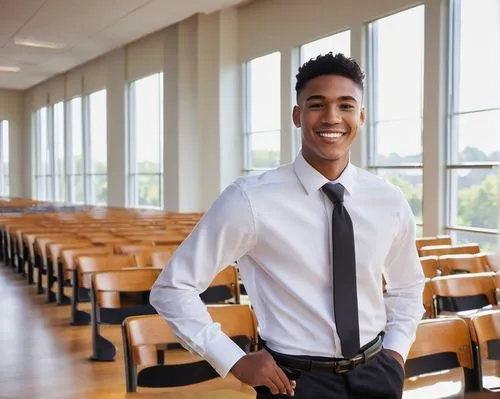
{"x": 296, "y": 116}
{"x": 362, "y": 116}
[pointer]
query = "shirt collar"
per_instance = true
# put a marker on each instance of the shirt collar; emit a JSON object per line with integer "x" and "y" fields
{"x": 312, "y": 180}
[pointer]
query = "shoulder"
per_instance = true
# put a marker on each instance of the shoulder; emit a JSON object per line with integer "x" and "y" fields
{"x": 268, "y": 180}
{"x": 241, "y": 194}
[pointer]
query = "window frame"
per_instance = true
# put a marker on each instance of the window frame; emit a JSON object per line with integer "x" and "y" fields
{"x": 451, "y": 137}
{"x": 70, "y": 173}
{"x": 372, "y": 109}
{"x": 47, "y": 177}
{"x": 89, "y": 174}
{"x": 134, "y": 175}
{"x": 248, "y": 168}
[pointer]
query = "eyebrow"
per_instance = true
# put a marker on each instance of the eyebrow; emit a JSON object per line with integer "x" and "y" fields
{"x": 341, "y": 98}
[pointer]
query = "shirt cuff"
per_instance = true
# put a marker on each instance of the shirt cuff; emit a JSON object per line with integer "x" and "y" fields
{"x": 397, "y": 341}
{"x": 222, "y": 353}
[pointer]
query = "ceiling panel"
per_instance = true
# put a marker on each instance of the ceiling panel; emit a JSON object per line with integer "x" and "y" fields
{"x": 3, "y": 40}
{"x": 15, "y": 13}
{"x": 90, "y": 28}
{"x": 77, "y": 19}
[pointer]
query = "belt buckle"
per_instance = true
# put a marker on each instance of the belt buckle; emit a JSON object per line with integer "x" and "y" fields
{"x": 343, "y": 366}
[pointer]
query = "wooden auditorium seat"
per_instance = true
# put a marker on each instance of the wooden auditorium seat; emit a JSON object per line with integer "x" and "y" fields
{"x": 430, "y": 266}
{"x": 116, "y": 295}
{"x": 440, "y": 361}
{"x": 463, "y": 263}
{"x": 438, "y": 250}
{"x": 151, "y": 362}
{"x": 437, "y": 240}
{"x": 486, "y": 327}
{"x": 460, "y": 292}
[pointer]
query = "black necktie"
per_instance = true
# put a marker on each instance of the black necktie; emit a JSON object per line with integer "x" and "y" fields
{"x": 345, "y": 298}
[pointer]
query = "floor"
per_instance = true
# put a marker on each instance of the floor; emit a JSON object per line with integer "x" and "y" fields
{"x": 42, "y": 356}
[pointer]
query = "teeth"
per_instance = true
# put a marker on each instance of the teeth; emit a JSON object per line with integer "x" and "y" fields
{"x": 331, "y": 135}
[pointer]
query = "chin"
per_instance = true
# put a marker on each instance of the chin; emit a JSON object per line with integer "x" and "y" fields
{"x": 333, "y": 156}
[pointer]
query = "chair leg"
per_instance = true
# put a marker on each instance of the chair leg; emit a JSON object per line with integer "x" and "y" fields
{"x": 102, "y": 349}
{"x": 78, "y": 317}
{"x": 51, "y": 297}
{"x": 61, "y": 298}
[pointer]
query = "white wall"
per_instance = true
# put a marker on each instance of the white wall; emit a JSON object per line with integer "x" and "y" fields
{"x": 11, "y": 109}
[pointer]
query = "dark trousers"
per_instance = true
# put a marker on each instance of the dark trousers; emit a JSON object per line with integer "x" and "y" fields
{"x": 381, "y": 377}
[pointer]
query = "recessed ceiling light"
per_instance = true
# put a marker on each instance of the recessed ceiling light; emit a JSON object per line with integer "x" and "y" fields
{"x": 9, "y": 69}
{"x": 30, "y": 42}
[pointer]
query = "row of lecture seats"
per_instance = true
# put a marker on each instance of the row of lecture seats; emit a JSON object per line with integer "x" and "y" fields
{"x": 110, "y": 257}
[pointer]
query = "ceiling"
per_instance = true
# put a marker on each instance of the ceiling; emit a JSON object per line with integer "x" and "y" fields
{"x": 87, "y": 28}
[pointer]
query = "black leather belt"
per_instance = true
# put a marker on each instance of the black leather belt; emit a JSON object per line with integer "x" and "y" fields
{"x": 337, "y": 366}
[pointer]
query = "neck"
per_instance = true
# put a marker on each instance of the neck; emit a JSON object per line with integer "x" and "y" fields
{"x": 328, "y": 168}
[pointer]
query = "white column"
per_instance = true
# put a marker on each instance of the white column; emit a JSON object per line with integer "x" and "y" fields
{"x": 289, "y": 65}
{"x": 359, "y": 149}
{"x": 231, "y": 100}
{"x": 116, "y": 127}
{"x": 434, "y": 128}
{"x": 181, "y": 149}
{"x": 219, "y": 103}
{"x": 11, "y": 109}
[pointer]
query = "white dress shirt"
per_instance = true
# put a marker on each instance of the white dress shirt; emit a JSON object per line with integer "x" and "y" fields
{"x": 278, "y": 227}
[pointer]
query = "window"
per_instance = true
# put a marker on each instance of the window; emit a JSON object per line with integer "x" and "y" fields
{"x": 74, "y": 148}
{"x": 4, "y": 164}
{"x": 338, "y": 43}
{"x": 474, "y": 123}
{"x": 97, "y": 145}
{"x": 43, "y": 177}
{"x": 59, "y": 165}
{"x": 145, "y": 150}
{"x": 395, "y": 93}
{"x": 263, "y": 113}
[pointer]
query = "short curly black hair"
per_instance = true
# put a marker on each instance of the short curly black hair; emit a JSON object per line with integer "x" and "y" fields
{"x": 329, "y": 64}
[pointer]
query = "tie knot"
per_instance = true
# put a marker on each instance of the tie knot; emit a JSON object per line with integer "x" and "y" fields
{"x": 334, "y": 191}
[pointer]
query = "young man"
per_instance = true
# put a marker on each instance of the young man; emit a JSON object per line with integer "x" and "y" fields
{"x": 312, "y": 240}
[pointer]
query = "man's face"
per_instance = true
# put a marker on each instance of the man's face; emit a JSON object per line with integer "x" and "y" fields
{"x": 329, "y": 113}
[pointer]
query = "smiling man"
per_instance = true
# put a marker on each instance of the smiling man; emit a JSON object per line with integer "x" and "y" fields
{"x": 313, "y": 241}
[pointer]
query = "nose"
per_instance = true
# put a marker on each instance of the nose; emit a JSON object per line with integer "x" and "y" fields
{"x": 332, "y": 115}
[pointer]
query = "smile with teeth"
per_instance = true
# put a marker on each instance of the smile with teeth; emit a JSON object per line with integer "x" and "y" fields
{"x": 331, "y": 135}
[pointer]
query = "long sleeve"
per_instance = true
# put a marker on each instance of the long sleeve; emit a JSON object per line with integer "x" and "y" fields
{"x": 223, "y": 235}
{"x": 405, "y": 282}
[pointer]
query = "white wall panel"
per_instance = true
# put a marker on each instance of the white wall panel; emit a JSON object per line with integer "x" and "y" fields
{"x": 144, "y": 57}
{"x": 95, "y": 75}
{"x": 11, "y": 109}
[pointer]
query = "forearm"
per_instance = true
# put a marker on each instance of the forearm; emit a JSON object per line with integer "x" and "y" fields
{"x": 404, "y": 310}
{"x": 191, "y": 323}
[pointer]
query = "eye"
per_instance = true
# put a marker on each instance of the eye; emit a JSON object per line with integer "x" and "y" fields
{"x": 347, "y": 106}
{"x": 315, "y": 105}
